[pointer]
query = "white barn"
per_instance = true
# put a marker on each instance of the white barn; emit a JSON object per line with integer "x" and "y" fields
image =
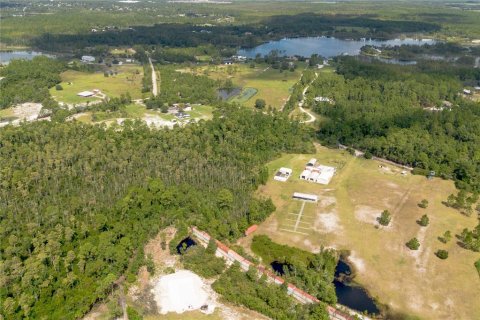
{"x": 305, "y": 174}
{"x": 326, "y": 174}
{"x": 305, "y": 196}
{"x": 283, "y": 174}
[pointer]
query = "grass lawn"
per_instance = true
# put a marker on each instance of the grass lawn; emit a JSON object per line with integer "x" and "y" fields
{"x": 127, "y": 80}
{"x": 413, "y": 282}
{"x": 271, "y": 85}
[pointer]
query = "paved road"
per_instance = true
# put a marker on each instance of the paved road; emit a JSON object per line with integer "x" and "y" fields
{"x": 154, "y": 79}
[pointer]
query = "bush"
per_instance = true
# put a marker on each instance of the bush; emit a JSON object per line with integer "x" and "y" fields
{"x": 368, "y": 155}
{"x": 446, "y": 237}
{"x": 260, "y": 103}
{"x": 477, "y": 266}
{"x": 58, "y": 87}
{"x": 424, "y": 220}
{"x": 385, "y": 218}
{"x": 423, "y": 204}
{"x": 413, "y": 244}
{"x": 205, "y": 264}
{"x": 442, "y": 254}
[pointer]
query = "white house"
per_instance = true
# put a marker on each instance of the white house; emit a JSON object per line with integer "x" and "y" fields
{"x": 325, "y": 175}
{"x": 466, "y": 91}
{"x": 88, "y": 59}
{"x": 311, "y": 162}
{"x": 85, "y": 94}
{"x": 322, "y": 99}
{"x": 283, "y": 174}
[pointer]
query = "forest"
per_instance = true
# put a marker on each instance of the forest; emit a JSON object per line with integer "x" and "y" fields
{"x": 75, "y": 220}
{"x": 413, "y": 115}
{"x": 28, "y": 81}
{"x": 247, "y": 35}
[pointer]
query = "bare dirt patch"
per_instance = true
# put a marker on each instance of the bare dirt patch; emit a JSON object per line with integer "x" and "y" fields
{"x": 367, "y": 214}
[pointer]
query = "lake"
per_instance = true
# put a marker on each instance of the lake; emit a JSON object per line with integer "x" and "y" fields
{"x": 326, "y": 47}
{"x": 7, "y": 56}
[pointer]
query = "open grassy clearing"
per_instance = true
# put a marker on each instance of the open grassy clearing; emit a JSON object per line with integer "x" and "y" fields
{"x": 345, "y": 218}
{"x": 128, "y": 79}
{"x": 272, "y": 85}
{"x": 139, "y": 111}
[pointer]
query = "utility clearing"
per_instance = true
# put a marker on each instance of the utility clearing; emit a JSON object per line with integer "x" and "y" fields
{"x": 345, "y": 218}
{"x": 182, "y": 291}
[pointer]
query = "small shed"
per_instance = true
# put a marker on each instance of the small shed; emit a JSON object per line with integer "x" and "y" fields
{"x": 283, "y": 174}
{"x": 312, "y": 162}
{"x": 85, "y": 94}
{"x": 305, "y": 196}
{"x": 251, "y": 229}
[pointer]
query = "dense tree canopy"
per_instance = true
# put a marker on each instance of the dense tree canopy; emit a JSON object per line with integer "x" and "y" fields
{"x": 76, "y": 206}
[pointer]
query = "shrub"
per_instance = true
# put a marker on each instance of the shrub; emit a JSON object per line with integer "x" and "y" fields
{"x": 424, "y": 220}
{"x": 260, "y": 103}
{"x": 205, "y": 264}
{"x": 446, "y": 237}
{"x": 477, "y": 266}
{"x": 385, "y": 218}
{"x": 368, "y": 155}
{"x": 413, "y": 244}
{"x": 442, "y": 254}
{"x": 58, "y": 87}
{"x": 423, "y": 204}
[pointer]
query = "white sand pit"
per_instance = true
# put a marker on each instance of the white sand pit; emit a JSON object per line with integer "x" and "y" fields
{"x": 181, "y": 291}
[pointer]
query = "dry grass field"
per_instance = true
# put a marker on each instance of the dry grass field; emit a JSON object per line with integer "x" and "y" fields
{"x": 412, "y": 282}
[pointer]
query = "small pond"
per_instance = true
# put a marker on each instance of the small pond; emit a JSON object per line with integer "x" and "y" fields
{"x": 354, "y": 297}
{"x": 7, "y": 56}
{"x": 279, "y": 267}
{"x": 185, "y": 244}
{"x": 325, "y": 46}
{"x": 226, "y": 94}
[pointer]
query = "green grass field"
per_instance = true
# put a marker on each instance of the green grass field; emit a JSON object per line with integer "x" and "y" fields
{"x": 345, "y": 218}
{"x": 271, "y": 85}
{"x": 127, "y": 80}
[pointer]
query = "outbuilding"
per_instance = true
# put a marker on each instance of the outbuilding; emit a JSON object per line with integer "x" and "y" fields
{"x": 305, "y": 174}
{"x": 305, "y": 196}
{"x": 85, "y": 94}
{"x": 283, "y": 174}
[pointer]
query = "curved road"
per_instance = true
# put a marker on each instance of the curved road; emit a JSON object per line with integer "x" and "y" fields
{"x": 154, "y": 79}
{"x": 300, "y": 104}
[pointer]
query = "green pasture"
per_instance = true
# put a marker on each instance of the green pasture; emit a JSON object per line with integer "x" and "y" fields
{"x": 73, "y": 82}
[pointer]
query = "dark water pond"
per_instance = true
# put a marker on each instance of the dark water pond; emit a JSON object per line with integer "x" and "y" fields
{"x": 279, "y": 267}
{"x": 185, "y": 244}
{"x": 225, "y": 94}
{"x": 7, "y": 56}
{"x": 326, "y": 47}
{"x": 354, "y": 297}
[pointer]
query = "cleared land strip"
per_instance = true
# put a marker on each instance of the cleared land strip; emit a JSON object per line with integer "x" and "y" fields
{"x": 154, "y": 79}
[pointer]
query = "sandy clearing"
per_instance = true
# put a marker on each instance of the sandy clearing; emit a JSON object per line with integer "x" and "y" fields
{"x": 182, "y": 291}
{"x": 367, "y": 214}
{"x": 327, "y": 222}
{"x": 158, "y": 122}
{"x": 357, "y": 261}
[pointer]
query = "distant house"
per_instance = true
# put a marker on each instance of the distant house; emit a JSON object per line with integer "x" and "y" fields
{"x": 467, "y": 91}
{"x": 322, "y": 99}
{"x": 477, "y": 88}
{"x": 85, "y": 94}
{"x": 88, "y": 59}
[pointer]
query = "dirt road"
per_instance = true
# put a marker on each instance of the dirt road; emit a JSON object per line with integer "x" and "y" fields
{"x": 154, "y": 79}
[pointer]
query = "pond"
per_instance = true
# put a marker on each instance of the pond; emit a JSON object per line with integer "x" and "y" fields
{"x": 7, "y": 56}
{"x": 325, "y": 46}
{"x": 354, "y": 297}
{"x": 185, "y": 244}
{"x": 225, "y": 94}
